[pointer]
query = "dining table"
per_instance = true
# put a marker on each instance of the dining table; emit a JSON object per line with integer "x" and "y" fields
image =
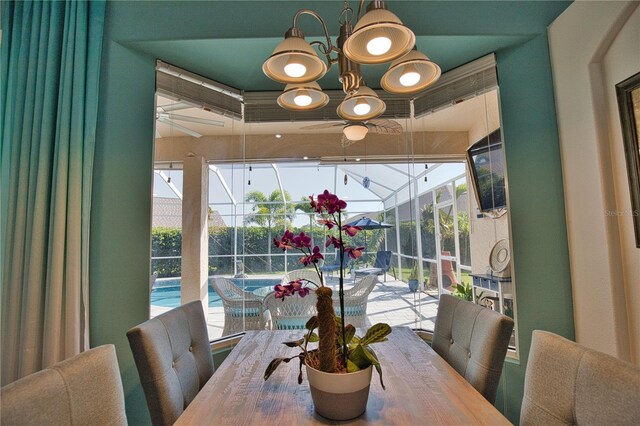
{"x": 421, "y": 387}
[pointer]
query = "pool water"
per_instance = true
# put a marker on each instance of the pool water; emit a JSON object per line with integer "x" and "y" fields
{"x": 167, "y": 293}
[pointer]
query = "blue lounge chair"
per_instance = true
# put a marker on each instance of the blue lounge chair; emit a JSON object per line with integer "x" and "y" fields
{"x": 381, "y": 265}
{"x": 335, "y": 266}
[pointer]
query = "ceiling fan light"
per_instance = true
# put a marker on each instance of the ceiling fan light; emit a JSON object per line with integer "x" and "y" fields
{"x": 294, "y": 61}
{"x": 303, "y": 97}
{"x": 355, "y": 132}
{"x": 367, "y": 45}
{"x": 398, "y": 75}
{"x": 351, "y": 108}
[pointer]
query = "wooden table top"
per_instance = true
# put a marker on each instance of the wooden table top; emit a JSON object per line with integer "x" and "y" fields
{"x": 421, "y": 388}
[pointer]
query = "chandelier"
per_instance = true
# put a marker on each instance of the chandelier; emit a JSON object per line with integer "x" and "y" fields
{"x": 379, "y": 36}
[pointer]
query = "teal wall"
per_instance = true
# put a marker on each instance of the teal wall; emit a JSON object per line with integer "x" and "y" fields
{"x": 538, "y": 230}
{"x": 121, "y": 211}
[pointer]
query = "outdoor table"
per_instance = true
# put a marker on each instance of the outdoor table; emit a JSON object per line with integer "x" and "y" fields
{"x": 421, "y": 388}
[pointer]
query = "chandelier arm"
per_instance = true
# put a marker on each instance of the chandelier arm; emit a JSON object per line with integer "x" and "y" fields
{"x": 361, "y": 3}
{"x": 329, "y": 47}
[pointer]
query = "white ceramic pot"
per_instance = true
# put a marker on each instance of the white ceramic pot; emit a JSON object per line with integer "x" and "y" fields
{"x": 339, "y": 396}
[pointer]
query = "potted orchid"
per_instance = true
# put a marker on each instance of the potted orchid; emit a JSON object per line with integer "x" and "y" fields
{"x": 339, "y": 369}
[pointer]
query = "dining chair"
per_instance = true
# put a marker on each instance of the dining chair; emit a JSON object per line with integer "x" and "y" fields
{"x": 355, "y": 301}
{"x": 82, "y": 390}
{"x": 569, "y": 384}
{"x": 293, "y": 312}
{"x": 242, "y": 309}
{"x": 174, "y": 361}
{"x": 473, "y": 340}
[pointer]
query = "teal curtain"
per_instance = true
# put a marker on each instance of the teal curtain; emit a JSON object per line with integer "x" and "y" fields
{"x": 50, "y": 66}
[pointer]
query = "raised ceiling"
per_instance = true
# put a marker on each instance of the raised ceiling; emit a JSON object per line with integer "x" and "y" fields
{"x": 240, "y": 35}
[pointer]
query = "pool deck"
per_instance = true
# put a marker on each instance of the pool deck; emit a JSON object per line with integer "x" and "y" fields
{"x": 389, "y": 302}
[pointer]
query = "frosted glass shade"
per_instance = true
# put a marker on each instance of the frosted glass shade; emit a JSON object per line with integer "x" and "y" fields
{"x": 347, "y": 108}
{"x": 294, "y": 54}
{"x": 382, "y": 24}
{"x": 288, "y": 101}
{"x": 413, "y": 61}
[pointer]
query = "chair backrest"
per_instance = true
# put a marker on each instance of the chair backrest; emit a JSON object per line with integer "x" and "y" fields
{"x": 355, "y": 301}
{"x": 82, "y": 390}
{"x": 360, "y": 290}
{"x": 567, "y": 383}
{"x": 383, "y": 260}
{"x": 228, "y": 291}
{"x": 173, "y": 356}
{"x": 473, "y": 340}
{"x": 306, "y": 274}
{"x": 293, "y": 312}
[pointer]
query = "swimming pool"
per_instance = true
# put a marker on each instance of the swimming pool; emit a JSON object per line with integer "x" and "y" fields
{"x": 166, "y": 292}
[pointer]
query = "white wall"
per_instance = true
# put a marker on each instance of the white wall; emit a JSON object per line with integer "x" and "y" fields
{"x": 593, "y": 46}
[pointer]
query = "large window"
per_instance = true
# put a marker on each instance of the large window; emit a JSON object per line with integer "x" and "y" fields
{"x": 258, "y": 177}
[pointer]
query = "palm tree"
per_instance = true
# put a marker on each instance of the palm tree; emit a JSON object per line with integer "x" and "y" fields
{"x": 305, "y": 207}
{"x": 270, "y": 212}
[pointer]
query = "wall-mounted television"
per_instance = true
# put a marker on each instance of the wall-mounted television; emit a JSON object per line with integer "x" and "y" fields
{"x": 486, "y": 161}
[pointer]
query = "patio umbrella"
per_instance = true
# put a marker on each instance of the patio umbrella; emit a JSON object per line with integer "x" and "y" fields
{"x": 366, "y": 223}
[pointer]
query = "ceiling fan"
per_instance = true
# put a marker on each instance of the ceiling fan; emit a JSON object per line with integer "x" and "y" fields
{"x": 165, "y": 114}
{"x": 354, "y": 131}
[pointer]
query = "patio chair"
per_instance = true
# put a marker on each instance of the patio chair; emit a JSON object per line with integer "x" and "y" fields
{"x": 381, "y": 265}
{"x": 305, "y": 274}
{"x": 242, "y": 309}
{"x": 355, "y": 301}
{"x": 335, "y": 266}
{"x": 83, "y": 390}
{"x": 474, "y": 341}
{"x": 569, "y": 384}
{"x": 292, "y": 313}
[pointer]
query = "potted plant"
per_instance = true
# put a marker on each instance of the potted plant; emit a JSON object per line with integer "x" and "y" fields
{"x": 339, "y": 369}
{"x": 413, "y": 278}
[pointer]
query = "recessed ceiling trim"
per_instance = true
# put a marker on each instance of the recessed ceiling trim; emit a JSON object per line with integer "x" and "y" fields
{"x": 459, "y": 84}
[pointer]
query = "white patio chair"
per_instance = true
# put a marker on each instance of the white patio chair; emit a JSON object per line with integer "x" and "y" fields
{"x": 305, "y": 274}
{"x": 242, "y": 309}
{"x": 355, "y": 301}
{"x": 292, "y": 313}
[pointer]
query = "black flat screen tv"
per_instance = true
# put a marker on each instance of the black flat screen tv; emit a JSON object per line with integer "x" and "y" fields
{"x": 486, "y": 161}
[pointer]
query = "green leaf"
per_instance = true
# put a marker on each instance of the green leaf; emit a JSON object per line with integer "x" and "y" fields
{"x": 358, "y": 356}
{"x": 312, "y": 324}
{"x": 374, "y": 360}
{"x": 313, "y": 338}
{"x": 349, "y": 332}
{"x": 294, "y": 343}
{"x": 351, "y": 367}
{"x": 376, "y": 333}
{"x": 274, "y": 364}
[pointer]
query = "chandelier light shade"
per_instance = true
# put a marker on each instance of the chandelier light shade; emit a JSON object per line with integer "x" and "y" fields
{"x": 378, "y": 37}
{"x": 363, "y": 105}
{"x": 294, "y": 61}
{"x": 410, "y": 74}
{"x": 355, "y": 132}
{"x": 303, "y": 97}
